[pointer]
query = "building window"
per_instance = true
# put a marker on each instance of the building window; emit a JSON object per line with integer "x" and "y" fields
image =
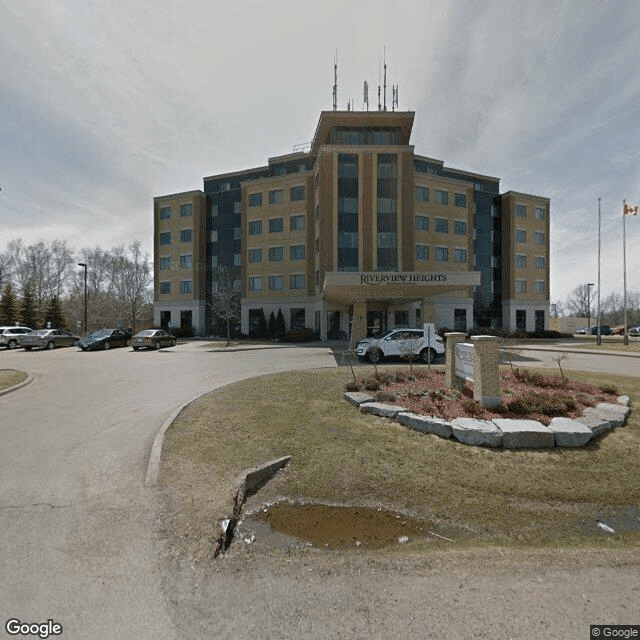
{"x": 539, "y": 286}
{"x": 539, "y": 213}
{"x": 276, "y": 225}
{"x": 460, "y": 199}
{"x": 539, "y": 262}
{"x": 422, "y": 252}
{"x": 422, "y": 194}
{"x": 296, "y": 223}
{"x": 296, "y": 193}
{"x": 521, "y": 286}
{"x": 237, "y": 207}
{"x": 255, "y": 199}
{"x": 276, "y": 283}
{"x": 255, "y": 227}
{"x": 214, "y": 209}
{"x": 165, "y": 237}
{"x": 255, "y": 255}
{"x": 521, "y": 260}
{"x": 165, "y": 213}
{"x": 237, "y": 259}
{"x": 422, "y": 223}
{"x": 538, "y": 237}
{"x": 348, "y": 205}
{"x": 186, "y": 235}
{"x": 442, "y": 254}
{"x": 521, "y": 319}
{"x": 521, "y": 211}
{"x": 255, "y": 283}
{"x": 296, "y": 252}
{"x": 186, "y": 261}
{"x": 275, "y": 254}
{"x": 460, "y": 227}
{"x": 521, "y": 235}
{"x": 459, "y": 255}
{"x": 165, "y": 287}
{"x": 186, "y": 286}
{"x": 442, "y": 225}
{"x": 296, "y": 281}
{"x": 275, "y": 196}
{"x": 186, "y": 210}
{"x": 459, "y": 319}
{"x": 539, "y": 320}
{"x": 237, "y": 233}
{"x": 165, "y": 263}
{"x": 442, "y": 197}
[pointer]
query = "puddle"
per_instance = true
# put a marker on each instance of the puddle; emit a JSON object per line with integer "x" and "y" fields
{"x": 286, "y": 524}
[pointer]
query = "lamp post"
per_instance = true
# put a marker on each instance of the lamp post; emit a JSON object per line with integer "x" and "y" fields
{"x": 589, "y": 285}
{"x": 84, "y": 266}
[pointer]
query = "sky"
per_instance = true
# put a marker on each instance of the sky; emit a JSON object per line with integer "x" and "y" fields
{"x": 106, "y": 104}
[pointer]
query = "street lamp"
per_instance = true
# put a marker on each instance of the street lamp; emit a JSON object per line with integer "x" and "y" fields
{"x": 84, "y": 266}
{"x": 589, "y": 285}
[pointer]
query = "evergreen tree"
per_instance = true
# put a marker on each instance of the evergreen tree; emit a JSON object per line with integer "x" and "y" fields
{"x": 9, "y": 308}
{"x": 28, "y": 313}
{"x": 261, "y": 331}
{"x": 271, "y": 327}
{"x": 55, "y": 315}
{"x": 281, "y": 329}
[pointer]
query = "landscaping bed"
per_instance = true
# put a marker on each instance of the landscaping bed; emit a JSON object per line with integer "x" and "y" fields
{"x": 525, "y": 394}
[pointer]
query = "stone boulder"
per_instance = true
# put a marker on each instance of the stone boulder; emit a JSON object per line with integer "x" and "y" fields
{"x": 569, "y": 433}
{"x": 357, "y": 397}
{"x": 524, "y": 434}
{"x": 476, "y": 432}
{"x": 426, "y": 424}
{"x": 597, "y": 425}
{"x": 625, "y": 401}
{"x": 381, "y": 409}
{"x": 616, "y": 414}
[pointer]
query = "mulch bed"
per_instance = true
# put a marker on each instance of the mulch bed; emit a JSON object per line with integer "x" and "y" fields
{"x": 525, "y": 395}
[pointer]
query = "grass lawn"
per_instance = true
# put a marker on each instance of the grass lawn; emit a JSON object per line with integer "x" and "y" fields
{"x": 474, "y": 495}
{"x": 609, "y": 345}
{"x": 9, "y": 377}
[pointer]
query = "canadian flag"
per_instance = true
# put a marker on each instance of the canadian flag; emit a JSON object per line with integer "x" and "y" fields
{"x": 630, "y": 210}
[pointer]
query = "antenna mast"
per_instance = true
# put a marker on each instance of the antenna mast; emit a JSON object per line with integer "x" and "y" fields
{"x": 366, "y": 95}
{"x": 385, "y": 79}
{"x": 335, "y": 80}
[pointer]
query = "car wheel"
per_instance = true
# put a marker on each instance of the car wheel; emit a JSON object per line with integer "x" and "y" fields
{"x": 12, "y": 344}
{"x": 374, "y": 355}
{"x": 425, "y": 354}
{"x": 158, "y": 345}
{"x": 107, "y": 346}
{"x": 50, "y": 345}
{"x": 135, "y": 348}
{"x": 27, "y": 348}
{"x": 173, "y": 343}
{"x": 76, "y": 343}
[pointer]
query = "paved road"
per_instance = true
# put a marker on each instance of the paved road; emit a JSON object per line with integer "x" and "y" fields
{"x": 76, "y": 520}
{"x": 78, "y": 542}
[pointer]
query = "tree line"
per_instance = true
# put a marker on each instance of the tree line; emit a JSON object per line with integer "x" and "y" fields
{"x": 582, "y": 302}
{"x": 41, "y": 283}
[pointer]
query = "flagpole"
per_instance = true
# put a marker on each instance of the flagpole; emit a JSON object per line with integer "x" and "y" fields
{"x": 624, "y": 267}
{"x": 598, "y": 334}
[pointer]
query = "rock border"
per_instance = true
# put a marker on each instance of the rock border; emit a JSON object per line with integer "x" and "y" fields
{"x": 506, "y": 432}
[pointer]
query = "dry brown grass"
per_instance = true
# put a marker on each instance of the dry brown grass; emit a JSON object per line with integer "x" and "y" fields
{"x": 10, "y": 377}
{"x": 472, "y": 494}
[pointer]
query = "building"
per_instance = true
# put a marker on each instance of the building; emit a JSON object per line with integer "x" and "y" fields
{"x": 355, "y": 234}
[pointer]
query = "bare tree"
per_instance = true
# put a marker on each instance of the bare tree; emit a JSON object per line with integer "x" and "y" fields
{"x": 225, "y": 300}
{"x": 409, "y": 347}
{"x": 580, "y": 301}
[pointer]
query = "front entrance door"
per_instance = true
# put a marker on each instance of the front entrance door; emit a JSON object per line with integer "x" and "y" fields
{"x": 376, "y": 323}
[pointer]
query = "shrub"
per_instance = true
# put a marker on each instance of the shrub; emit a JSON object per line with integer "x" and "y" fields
{"x": 371, "y": 384}
{"x": 471, "y": 407}
{"x": 608, "y": 388}
{"x": 386, "y": 396}
{"x": 352, "y": 385}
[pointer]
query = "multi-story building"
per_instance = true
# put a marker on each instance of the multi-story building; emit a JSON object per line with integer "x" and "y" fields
{"x": 355, "y": 234}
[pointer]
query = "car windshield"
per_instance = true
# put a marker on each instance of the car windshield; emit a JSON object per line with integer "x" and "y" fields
{"x": 147, "y": 332}
{"x": 40, "y": 332}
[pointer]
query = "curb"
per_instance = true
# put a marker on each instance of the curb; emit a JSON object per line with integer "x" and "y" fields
{"x": 585, "y": 351}
{"x": 15, "y": 387}
{"x": 153, "y": 466}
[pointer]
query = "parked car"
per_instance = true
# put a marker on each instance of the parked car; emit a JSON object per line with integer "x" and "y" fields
{"x": 152, "y": 339}
{"x": 10, "y": 336}
{"x": 393, "y": 343}
{"x": 634, "y": 331}
{"x": 582, "y": 332}
{"x": 105, "y": 339}
{"x": 605, "y": 330}
{"x": 48, "y": 339}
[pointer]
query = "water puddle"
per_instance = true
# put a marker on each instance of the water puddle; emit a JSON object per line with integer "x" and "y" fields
{"x": 288, "y": 524}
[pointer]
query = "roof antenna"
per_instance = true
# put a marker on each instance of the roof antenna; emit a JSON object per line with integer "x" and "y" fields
{"x": 385, "y": 79}
{"x": 366, "y": 95}
{"x": 335, "y": 80}
{"x": 394, "y": 99}
{"x": 379, "y": 105}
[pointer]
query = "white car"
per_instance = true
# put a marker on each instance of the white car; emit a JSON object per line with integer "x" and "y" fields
{"x": 10, "y": 336}
{"x": 398, "y": 343}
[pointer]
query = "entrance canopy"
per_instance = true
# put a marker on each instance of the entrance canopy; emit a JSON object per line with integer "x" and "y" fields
{"x": 388, "y": 286}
